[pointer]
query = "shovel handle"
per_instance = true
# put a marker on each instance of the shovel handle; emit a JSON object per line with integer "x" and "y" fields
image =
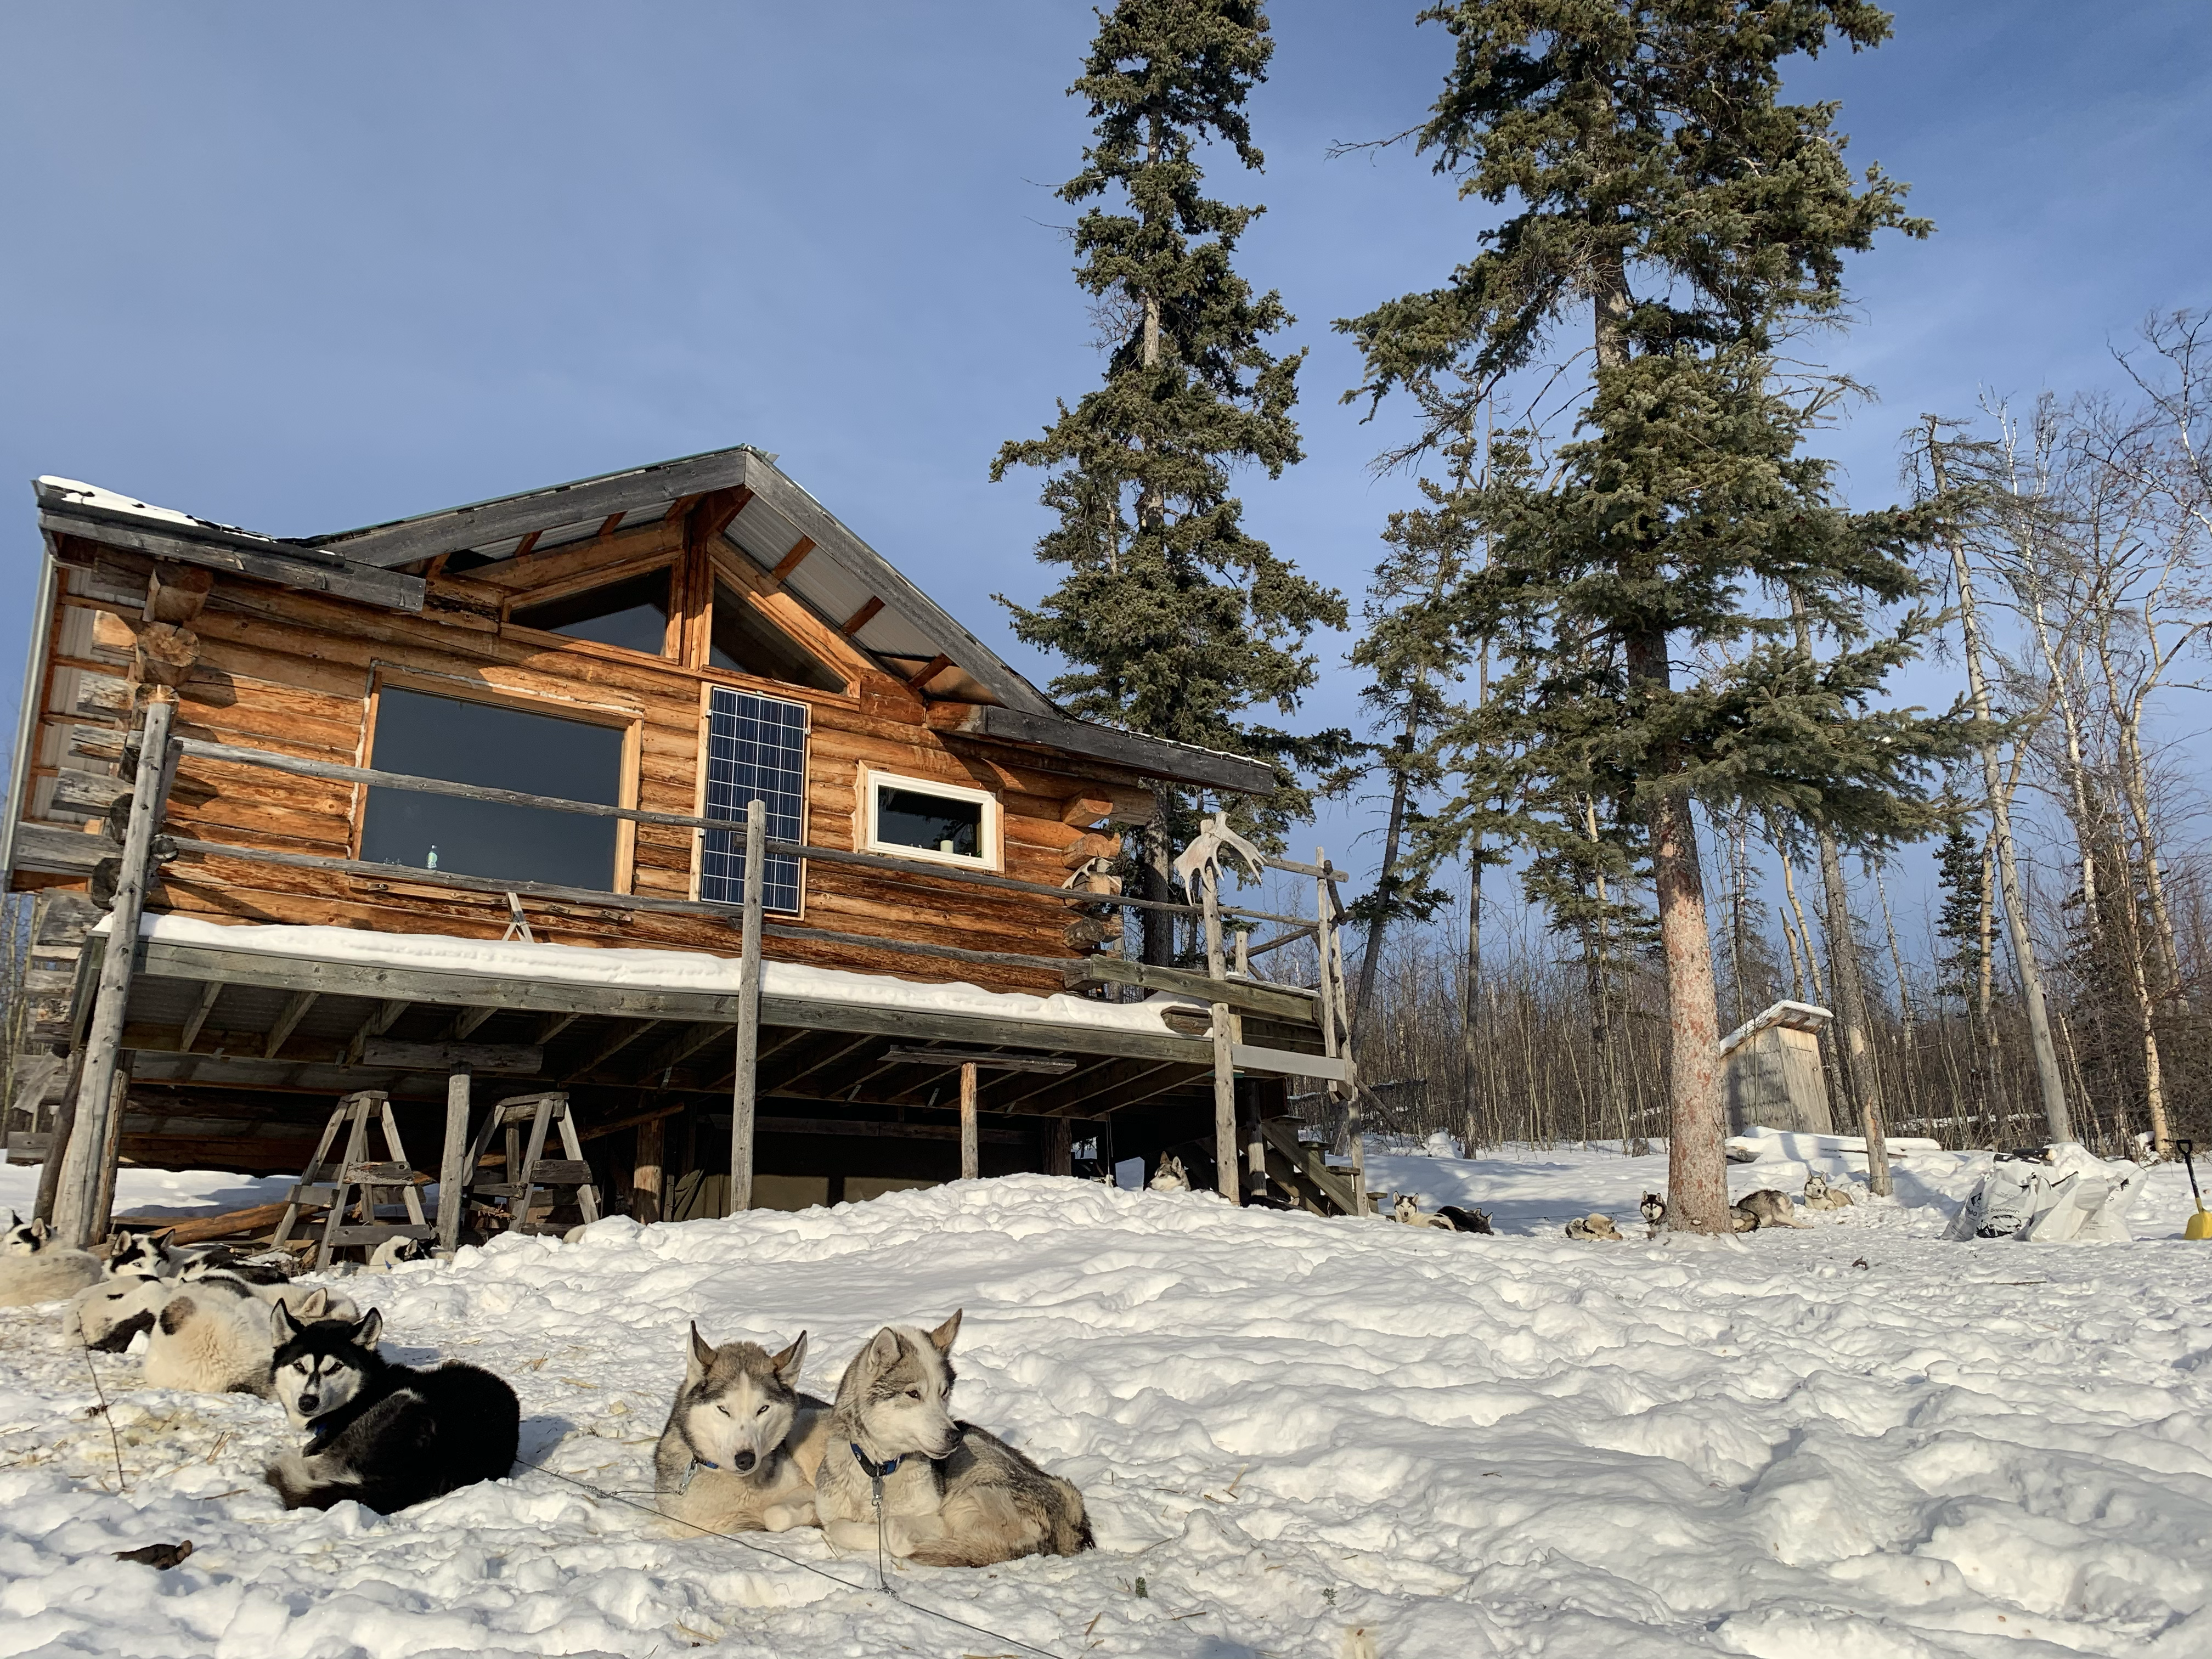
{"x": 2189, "y": 1164}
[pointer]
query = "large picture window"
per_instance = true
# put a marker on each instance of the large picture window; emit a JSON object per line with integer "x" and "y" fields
{"x": 743, "y": 643}
{"x": 938, "y": 823}
{"x": 755, "y": 750}
{"x": 500, "y": 748}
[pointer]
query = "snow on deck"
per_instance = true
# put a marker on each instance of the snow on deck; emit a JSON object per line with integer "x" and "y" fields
{"x": 1855, "y": 1442}
{"x": 655, "y": 970}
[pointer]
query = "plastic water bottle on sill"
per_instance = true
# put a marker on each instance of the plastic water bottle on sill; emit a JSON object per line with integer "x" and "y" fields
{"x": 431, "y": 863}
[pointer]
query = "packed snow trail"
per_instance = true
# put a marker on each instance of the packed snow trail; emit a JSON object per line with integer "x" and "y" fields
{"x": 1285, "y": 1429}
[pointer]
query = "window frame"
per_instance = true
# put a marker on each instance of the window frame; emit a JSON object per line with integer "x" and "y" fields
{"x": 630, "y": 722}
{"x": 993, "y": 826}
{"x": 671, "y": 641}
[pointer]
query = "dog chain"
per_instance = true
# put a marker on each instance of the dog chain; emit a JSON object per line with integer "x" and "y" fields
{"x": 876, "y": 1485}
{"x": 122, "y": 1482}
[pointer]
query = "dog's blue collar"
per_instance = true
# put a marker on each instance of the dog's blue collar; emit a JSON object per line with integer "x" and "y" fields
{"x": 876, "y": 1471}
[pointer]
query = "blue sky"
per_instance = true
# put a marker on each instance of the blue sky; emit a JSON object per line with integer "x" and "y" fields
{"x": 301, "y": 268}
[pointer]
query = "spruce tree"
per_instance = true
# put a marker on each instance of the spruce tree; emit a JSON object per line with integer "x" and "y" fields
{"x": 1660, "y": 182}
{"x": 1176, "y": 620}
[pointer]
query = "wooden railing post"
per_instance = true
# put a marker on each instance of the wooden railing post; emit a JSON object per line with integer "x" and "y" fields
{"x": 1223, "y": 1033}
{"x": 744, "y": 1089}
{"x": 971, "y": 1159}
{"x": 76, "y": 1196}
{"x": 453, "y": 1171}
{"x": 1332, "y": 1006}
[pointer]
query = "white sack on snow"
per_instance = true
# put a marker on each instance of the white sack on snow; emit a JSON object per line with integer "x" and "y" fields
{"x": 2075, "y": 1195}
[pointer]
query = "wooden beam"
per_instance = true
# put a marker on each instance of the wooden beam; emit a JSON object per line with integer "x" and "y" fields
{"x": 612, "y": 522}
{"x": 630, "y": 1033}
{"x": 1283, "y": 1002}
{"x": 508, "y": 1059}
{"x": 379, "y": 1021}
{"x": 1285, "y": 1062}
{"x": 860, "y": 618}
{"x": 287, "y": 566}
{"x": 198, "y": 962}
{"x": 716, "y": 511}
{"x": 681, "y": 1048}
{"x": 790, "y": 562}
{"x": 523, "y": 547}
{"x": 552, "y": 1026}
{"x": 771, "y": 1124}
{"x": 950, "y": 1057}
{"x": 929, "y": 672}
{"x": 202, "y": 1006}
{"x": 971, "y": 1164}
{"x": 1152, "y": 757}
{"x": 453, "y": 1163}
{"x": 744, "y": 1086}
{"x": 288, "y": 1021}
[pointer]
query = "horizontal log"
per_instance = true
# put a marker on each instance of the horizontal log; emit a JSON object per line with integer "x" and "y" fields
{"x": 515, "y": 1059}
{"x": 1282, "y": 1001}
{"x": 199, "y": 1229}
{"x": 560, "y": 1172}
{"x": 769, "y": 1124}
{"x": 1282, "y": 1062}
{"x": 297, "y": 566}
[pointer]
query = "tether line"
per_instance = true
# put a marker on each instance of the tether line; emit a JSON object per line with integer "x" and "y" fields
{"x": 791, "y": 1561}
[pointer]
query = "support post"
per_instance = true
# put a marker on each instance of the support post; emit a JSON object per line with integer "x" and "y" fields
{"x": 1332, "y": 1008}
{"x": 103, "y": 1207}
{"x": 76, "y": 1198}
{"x": 1224, "y": 1032}
{"x": 453, "y": 1171}
{"x": 745, "y": 1087}
{"x": 1059, "y": 1146}
{"x": 50, "y": 1172}
{"x": 645, "y": 1172}
{"x": 971, "y": 1161}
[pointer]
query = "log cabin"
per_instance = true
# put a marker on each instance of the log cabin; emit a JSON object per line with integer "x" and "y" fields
{"x": 660, "y": 793}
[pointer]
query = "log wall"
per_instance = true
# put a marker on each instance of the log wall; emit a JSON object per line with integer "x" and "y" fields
{"x": 298, "y": 674}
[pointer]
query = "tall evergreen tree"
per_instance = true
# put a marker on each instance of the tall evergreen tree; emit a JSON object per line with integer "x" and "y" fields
{"x": 1647, "y": 147}
{"x": 1176, "y": 620}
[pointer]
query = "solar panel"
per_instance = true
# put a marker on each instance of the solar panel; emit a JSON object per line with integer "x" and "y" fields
{"x": 755, "y": 750}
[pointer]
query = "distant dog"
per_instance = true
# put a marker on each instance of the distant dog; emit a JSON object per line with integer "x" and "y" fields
{"x": 1464, "y": 1221}
{"x": 383, "y": 1435}
{"x": 1768, "y": 1208}
{"x": 23, "y": 1237}
{"x": 1654, "y": 1209}
{"x": 1171, "y": 1176}
{"x": 951, "y": 1495}
{"x": 1594, "y": 1225}
{"x": 743, "y": 1445}
{"x": 1820, "y": 1195}
{"x": 1407, "y": 1209}
{"x": 33, "y": 1268}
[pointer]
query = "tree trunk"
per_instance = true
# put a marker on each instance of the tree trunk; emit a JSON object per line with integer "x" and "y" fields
{"x": 1378, "y": 924}
{"x": 2053, "y": 1085}
{"x": 1851, "y": 1012}
{"x": 1697, "y": 1163}
{"x": 1470, "y": 1002}
{"x": 1157, "y": 859}
{"x": 1908, "y": 1066}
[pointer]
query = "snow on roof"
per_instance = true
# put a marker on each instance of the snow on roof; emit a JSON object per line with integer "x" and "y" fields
{"x": 658, "y": 971}
{"x": 1797, "y": 1016}
{"x": 78, "y": 493}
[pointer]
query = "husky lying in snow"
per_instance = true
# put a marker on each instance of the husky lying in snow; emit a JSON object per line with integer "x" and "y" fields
{"x": 1451, "y": 1217}
{"x": 1820, "y": 1196}
{"x": 1465, "y": 1221}
{"x": 951, "y": 1495}
{"x": 1767, "y": 1208}
{"x": 35, "y": 1269}
{"x": 385, "y": 1436}
{"x": 743, "y": 1445}
{"x": 1169, "y": 1178}
{"x": 206, "y": 1336}
{"x": 1594, "y": 1225}
{"x": 152, "y": 1255}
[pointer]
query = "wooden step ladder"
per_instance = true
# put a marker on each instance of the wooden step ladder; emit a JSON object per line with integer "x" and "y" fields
{"x": 354, "y": 1181}
{"x": 1301, "y": 1173}
{"x": 527, "y": 1167}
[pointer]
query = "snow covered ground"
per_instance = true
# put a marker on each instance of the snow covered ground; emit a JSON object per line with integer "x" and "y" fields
{"x": 1854, "y": 1442}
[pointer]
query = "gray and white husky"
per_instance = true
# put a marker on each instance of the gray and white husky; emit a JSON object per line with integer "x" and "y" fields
{"x": 743, "y": 1445}
{"x": 1767, "y": 1208}
{"x": 951, "y": 1495}
{"x": 1821, "y": 1194}
{"x": 385, "y": 1436}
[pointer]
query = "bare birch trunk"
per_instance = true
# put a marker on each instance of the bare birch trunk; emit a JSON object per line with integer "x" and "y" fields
{"x": 2056, "y": 1121}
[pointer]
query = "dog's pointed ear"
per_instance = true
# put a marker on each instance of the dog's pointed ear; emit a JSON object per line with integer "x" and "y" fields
{"x": 884, "y": 1350}
{"x": 941, "y": 1338}
{"x": 161, "y": 1241}
{"x": 699, "y": 1358}
{"x": 283, "y": 1327}
{"x": 788, "y": 1364}
{"x": 370, "y": 1327}
{"x": 317, "y": 1305}
{"x": 41, "y": 1228}
{"x": 14, "y": 1220}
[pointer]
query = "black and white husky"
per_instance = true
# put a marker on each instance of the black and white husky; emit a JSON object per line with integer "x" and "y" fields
{"x": 743, "y": 1444}
{"x": 383, "y": 1435}
{"x": 952, "y": 1494}
{"x": 35, "y": 1268}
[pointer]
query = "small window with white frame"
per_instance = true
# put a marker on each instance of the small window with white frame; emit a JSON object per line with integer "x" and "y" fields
{"x": 920, "y": 819}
